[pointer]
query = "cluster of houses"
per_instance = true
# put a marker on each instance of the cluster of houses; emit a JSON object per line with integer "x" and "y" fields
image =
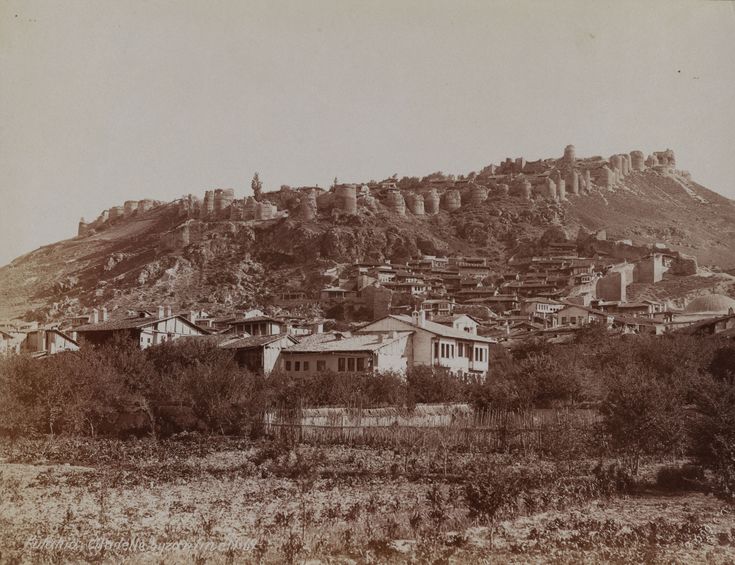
{"x": 264, "y": 343}
{"x": 548, "y": 295}
{"x": 434, "y": 311}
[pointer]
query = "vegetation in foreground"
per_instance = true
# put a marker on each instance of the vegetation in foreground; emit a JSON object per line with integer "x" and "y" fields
{"x": 199, "y": 499}
{"x": 200, "y": 468}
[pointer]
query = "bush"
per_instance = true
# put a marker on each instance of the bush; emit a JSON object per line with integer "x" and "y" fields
{"x": 643, "y": 415}
{"x": 712, "y": 430}
{"x": 679, "y": 477}
{"x": 433, "y": 385}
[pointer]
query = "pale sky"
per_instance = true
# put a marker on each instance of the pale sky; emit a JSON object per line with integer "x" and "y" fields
{"x": 103, "y": 101}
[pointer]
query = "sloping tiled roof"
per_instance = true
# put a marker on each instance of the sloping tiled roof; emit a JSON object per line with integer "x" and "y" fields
{"x": 446, "y": 319}
{"x": 442, "y": 330}
{"x": 129, "y": 324}
{"x": 329, "y": 342}
{"x": 693, "y": 328}
{"x": 628, "y": 320}
{"x": 251, "y": 342}
{"x": 255, "y": 319}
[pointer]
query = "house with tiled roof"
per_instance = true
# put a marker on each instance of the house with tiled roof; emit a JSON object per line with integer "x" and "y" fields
{"x": 577, "y": 315}
{"x": 718, "y": 325}
{"x": 343, "y": 352}
{"x": 256, "y": 325}
{"x": 462, "y": 322}
{"x": 258, "y": 354}
{"x": 145, "y": 329}
{"x": 47, "y": 341}
{"x": 438, "y": 345}
{"x": 10, "y": 342}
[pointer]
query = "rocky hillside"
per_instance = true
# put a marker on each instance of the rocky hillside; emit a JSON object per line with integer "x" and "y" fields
{"x": 139, "y": 260}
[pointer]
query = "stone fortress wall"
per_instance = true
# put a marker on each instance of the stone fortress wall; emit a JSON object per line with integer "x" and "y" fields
{"x": 549, "y": 179}
{"x": 555, "y": 179}
{"x": 113, "y": 215}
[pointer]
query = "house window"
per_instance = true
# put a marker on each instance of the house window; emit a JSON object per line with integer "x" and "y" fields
{"x": 460, "y": 349}
{"x": 288, "y": 365}
{"x": 361, "y": 364}
{"x": 297, "y": 366}
{"x": 321, "y": 365}
{"x": 351, "y": 364}
{"x": 306, "y": 365}
{"x": 341, "y": 364}
{"x": 563, "y": 319}
{"x": 451, "y": 351}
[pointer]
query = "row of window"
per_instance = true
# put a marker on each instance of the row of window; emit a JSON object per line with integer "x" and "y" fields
{"x": 446, "y": 351}
{"x": 348, "y": 364}
{"x": 305, "y": 366}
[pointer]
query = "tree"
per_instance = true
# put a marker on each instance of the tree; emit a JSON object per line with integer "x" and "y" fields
{"x": 257, "y": 186}
{"x": 642, "y": 413}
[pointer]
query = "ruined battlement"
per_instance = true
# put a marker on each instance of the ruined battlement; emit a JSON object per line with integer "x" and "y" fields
{"x": 110, "y": 216}
{"x": 554, "y": 179}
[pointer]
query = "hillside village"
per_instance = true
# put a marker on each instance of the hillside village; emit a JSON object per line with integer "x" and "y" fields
{"x": 445, "y": 310}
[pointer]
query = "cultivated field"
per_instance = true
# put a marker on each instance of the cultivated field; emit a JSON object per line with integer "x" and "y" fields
{"x": 194, "y": 499}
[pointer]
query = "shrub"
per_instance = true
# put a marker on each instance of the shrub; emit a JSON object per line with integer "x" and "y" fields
{"x": 433, "y": 385}
{"x": 679, "y": 477}
{"x": 642, "y": 415}
{"x": 712, "y": 430}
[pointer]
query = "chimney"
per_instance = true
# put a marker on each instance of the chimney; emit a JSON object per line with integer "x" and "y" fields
{"x": 193, "y": 316}
{"x": 422, "y": 318}
{"x": 105, "y": 315}
{"x": 161, "y": 312}
{"x": 169, "y": 311}
{"x": 95, "y": 316}
{"x": 316, "y": 328}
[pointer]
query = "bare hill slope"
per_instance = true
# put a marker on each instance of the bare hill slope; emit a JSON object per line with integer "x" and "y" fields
{"x": 138, "y": 261}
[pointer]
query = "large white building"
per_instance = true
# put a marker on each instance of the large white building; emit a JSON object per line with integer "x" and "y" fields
{"x": 348, "y": 353}
{"x": 438, "y": 345}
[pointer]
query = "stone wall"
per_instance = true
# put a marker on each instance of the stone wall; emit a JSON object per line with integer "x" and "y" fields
{"x": 431, "y": 202}
{"x": 684, "y": 265}
{"x": 611, "y": 287}
{"x": 395, "y": 202}
{"x": 649, "y": 269}
{"x": 415, "y": 203}
{"x": 452, "y": 200}
{"x": 346, "y": 198}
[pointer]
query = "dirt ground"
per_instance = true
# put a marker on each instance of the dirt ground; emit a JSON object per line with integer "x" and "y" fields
{"x": 243, "y": 502}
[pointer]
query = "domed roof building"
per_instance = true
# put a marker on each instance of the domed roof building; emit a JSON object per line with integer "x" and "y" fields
{"x": 712, "y": 303}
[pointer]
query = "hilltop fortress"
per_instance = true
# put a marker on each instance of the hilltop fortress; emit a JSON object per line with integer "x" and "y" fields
{"x": 555, "y": 179}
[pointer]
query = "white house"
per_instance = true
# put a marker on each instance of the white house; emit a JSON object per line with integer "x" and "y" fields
{"x": 575, "y": 315}
{"x": 347, "y": 353}
{"x": 461, "y": 322}
{"x": 145, "y": 329}
{"x": 438, "y": 345}
{"x": 259, "y": 353}
{"x": 47, "y": 341}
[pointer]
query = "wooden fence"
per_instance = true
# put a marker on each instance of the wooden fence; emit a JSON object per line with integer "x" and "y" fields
{"x": 445, "y": 426}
